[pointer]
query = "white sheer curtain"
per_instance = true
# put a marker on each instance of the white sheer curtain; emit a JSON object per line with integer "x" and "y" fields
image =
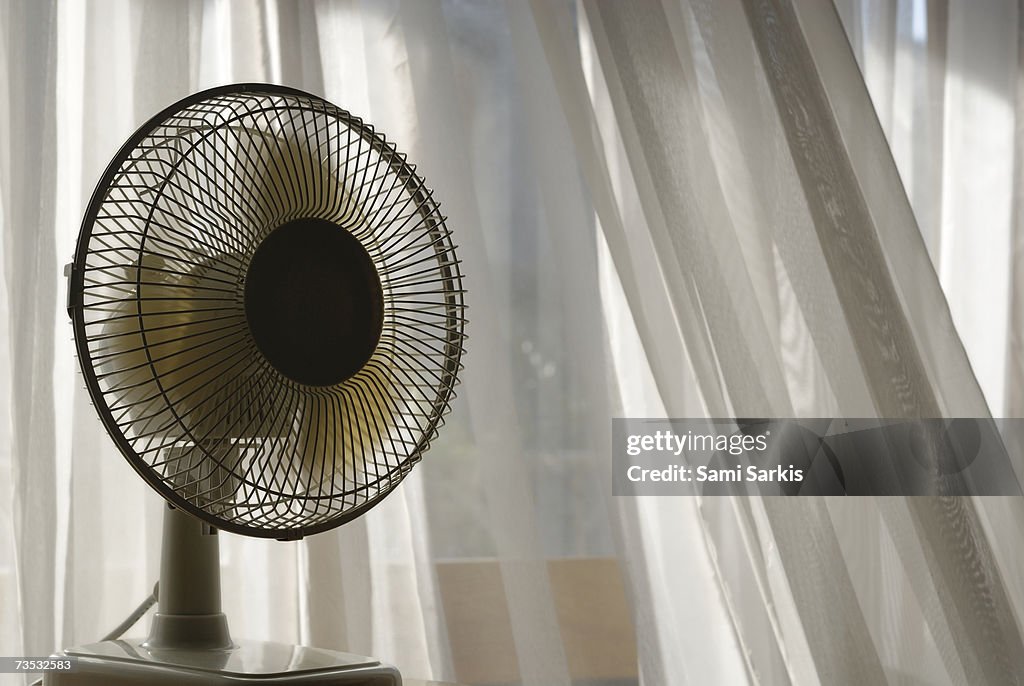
{"x": 745, "y": 136}
{"x": 677, "y": 207}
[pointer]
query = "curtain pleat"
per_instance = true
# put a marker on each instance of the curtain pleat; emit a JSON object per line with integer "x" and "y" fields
{"x": 978, "y": 130}
{"x": 30, "y": 263}
{"x": 441, "y": 125}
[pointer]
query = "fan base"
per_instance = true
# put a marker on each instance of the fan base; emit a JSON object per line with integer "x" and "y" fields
{"x": 123, "y": 662}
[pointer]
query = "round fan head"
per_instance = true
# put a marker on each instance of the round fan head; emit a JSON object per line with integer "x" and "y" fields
{"x": 268, "y": 310}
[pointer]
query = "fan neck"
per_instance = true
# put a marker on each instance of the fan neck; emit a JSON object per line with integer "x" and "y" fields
{"x": 189, "y": 614}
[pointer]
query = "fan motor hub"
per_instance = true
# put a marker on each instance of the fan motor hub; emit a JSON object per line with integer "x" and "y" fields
{"x": 314, "y": 302}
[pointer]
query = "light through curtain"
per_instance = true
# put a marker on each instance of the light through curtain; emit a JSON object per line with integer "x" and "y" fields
{"x": 665, "y": 208}
{"x": 807, "y": 290}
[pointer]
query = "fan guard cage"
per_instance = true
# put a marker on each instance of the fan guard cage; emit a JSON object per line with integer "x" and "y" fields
{"x": 157, "y": 298}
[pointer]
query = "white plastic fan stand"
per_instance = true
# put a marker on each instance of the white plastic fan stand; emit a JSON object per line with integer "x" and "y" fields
{"x": 189, "y": 643}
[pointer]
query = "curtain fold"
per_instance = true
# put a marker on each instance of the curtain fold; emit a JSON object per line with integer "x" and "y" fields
{"x": 441, "y": 126}
{"x": 900, "y": 383}
{"x": 30, "y": 262}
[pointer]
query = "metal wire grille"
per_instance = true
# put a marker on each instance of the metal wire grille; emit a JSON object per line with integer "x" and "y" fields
{"x": 157, "y": 299}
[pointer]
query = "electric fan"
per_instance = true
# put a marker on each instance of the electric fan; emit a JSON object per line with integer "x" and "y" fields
{"x": 268, "y": 313}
